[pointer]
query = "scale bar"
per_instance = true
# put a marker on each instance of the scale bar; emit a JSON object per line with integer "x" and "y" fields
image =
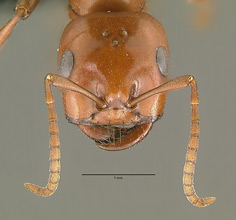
{"x": 118, "y": 174}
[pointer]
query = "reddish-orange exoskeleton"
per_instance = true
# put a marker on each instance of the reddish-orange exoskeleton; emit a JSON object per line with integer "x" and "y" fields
{"x": 113, "y": 74}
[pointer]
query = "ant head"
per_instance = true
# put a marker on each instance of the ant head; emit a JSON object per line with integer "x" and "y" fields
{"x": 117, "y": 57}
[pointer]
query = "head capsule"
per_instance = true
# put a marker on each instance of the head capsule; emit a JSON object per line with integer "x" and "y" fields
{"x": 117, "y": 57}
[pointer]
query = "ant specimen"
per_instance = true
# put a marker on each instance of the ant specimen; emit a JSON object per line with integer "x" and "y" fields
{"x": 113, "y": 60}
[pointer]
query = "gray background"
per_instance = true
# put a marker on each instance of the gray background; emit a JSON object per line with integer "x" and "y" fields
{"x": 208, "y": 54}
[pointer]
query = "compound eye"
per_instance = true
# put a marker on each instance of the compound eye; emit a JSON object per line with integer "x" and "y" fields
{"x": 67, "y": 63}
{"x": 162, "y": 59}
